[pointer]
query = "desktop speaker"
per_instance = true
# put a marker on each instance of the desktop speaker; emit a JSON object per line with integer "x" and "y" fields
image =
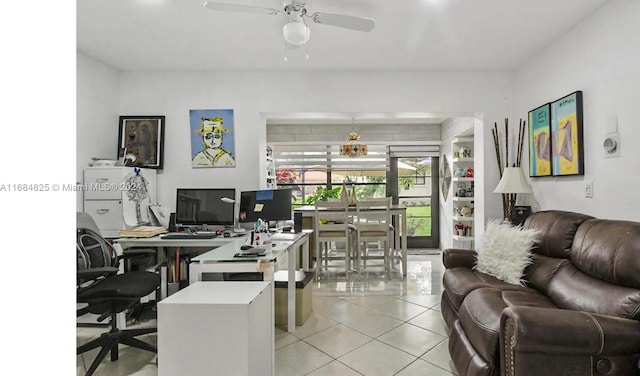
{"x": 520, "y": 214}
{"x": 297, "y": 222}
{"x": 172, "y": 222}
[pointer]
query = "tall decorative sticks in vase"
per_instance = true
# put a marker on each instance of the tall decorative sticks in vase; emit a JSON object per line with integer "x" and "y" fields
{"x": 508, "y": 199}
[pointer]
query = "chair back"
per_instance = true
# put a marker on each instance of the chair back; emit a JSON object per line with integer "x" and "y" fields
{"x": 92, "y": 250}
{"x": 332, "y": 220}
{"x": 84, "y": 220}
{"x": 373, "y": 215}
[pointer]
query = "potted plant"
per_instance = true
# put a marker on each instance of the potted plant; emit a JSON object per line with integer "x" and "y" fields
{"x": 322, "y": 194}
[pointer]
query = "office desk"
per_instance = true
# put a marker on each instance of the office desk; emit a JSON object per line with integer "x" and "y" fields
{"x": 399, "y": 215}
{"x": 220, "y": 259}
{"x": 120, "y": 244}
{"x": 157, "y": 242}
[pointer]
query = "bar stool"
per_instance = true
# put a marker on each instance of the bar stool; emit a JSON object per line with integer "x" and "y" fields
{"x": 373, "y": 224}
{"x": 332, "y": 228}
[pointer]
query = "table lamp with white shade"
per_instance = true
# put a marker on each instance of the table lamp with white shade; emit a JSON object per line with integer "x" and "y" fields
{"x": 512, "y": 182}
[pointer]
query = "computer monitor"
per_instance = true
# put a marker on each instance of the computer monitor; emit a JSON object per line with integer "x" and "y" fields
{"x": 269, "y": 205}
{"x": 199, "y": 207}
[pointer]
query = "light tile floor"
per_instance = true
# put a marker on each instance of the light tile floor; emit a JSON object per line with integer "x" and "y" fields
{"x": 362, "y": 326}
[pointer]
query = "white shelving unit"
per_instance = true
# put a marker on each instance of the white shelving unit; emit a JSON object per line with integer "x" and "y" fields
{"x": 463, "y": 220}
{"x": 271, "y": 170}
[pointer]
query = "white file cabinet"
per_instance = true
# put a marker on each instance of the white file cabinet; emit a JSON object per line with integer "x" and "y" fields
{"x": 103, "y": 190}
{"x": 217, "y": 328}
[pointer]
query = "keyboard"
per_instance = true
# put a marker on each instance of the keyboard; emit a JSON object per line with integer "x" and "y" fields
{"x": 189, "y": 235}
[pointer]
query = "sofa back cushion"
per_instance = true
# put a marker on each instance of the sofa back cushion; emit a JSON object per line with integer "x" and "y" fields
{"x": 604, "y": 273}
{"x": 557, "y": 229}
{"x": 541, "y": 271}
{"x": 608, "y": 250}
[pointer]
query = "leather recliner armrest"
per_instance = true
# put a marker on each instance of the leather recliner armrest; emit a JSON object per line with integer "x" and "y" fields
{"x": 456, "y": 258}
{"x": 535, "y": 341}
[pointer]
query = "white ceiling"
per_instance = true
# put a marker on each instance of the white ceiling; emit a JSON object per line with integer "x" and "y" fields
{"x": 182, "y": 35}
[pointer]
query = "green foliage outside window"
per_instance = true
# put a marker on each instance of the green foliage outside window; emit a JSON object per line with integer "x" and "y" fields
{"x": 418, "y": 218}
{"x": 372, "y": 191}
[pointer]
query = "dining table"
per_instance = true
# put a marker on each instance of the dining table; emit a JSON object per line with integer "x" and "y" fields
{"x": 399, "y": 220}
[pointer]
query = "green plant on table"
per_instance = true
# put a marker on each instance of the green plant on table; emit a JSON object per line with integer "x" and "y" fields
{"x": 322, "y": 194}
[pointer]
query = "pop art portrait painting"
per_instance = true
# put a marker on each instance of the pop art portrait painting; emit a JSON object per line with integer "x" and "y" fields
{"x": 212, "y": 138}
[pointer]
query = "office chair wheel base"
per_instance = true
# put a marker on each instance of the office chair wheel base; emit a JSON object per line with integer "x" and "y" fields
{"x": 109, "y": 343}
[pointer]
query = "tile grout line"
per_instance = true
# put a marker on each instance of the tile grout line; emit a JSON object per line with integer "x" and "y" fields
{"x": 377, "y": 337}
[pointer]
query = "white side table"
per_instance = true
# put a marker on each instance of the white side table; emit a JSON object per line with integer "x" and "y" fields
{"x": 222, "y": 328}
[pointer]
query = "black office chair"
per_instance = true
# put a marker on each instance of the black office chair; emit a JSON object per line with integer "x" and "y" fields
{"x": 107, "y": 293}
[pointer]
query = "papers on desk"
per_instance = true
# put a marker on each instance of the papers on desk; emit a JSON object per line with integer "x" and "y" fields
{"x": 143, "y": 232}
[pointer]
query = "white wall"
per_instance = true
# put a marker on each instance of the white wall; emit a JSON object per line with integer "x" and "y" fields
{"x": 96, "y": 114}
{"x": 253, "y": 94}
{"x": 601, "y": 57}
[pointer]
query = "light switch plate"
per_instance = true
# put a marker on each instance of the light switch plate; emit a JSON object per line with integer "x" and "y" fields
{"x": 588, "y": 189}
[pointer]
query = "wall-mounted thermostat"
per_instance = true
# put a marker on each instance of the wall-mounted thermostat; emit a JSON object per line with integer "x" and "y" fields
{"x": 611, "y": 145}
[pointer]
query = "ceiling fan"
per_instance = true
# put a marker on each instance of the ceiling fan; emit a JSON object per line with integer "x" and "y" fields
{"x": 296, "y": 32}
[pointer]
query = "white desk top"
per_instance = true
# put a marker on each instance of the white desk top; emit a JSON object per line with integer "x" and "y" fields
{"x": 311, "y": 209}
{"x": 226, "y": 252}
{"x": 227, "y": 292}
{"x": 222, "y": 249}
{"x": 157, "y": 241}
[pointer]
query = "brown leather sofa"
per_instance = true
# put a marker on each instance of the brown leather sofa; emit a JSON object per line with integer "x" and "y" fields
{"x": 579, "y": 313}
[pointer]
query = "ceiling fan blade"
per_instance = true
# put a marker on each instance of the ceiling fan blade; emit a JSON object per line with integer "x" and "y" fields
{"x": 347, "y": 22}
{"x": 227, "y": 7}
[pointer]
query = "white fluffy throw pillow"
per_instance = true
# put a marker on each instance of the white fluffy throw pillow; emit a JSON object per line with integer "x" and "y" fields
{"x": 505, "y": 251}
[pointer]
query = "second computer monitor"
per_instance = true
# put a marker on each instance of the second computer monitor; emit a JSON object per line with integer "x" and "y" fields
{"x": 268, "y": 205}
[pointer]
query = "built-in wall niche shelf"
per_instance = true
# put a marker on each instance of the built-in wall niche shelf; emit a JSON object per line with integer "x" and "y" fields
{"x": 463, "y": 171}
{"x": 462, "y": 140}
{"x": 462, "y": 219}
{"x": 271, "y": 170}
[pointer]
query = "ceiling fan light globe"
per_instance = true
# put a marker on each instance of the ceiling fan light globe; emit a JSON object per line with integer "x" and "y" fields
{"x": 296, "y": 33}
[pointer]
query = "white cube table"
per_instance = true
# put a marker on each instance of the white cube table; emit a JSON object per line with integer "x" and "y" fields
{"x": 217, "y": 328}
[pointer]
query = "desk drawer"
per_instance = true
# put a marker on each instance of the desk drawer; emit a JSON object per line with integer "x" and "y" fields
{"x": 107, "y": 214}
